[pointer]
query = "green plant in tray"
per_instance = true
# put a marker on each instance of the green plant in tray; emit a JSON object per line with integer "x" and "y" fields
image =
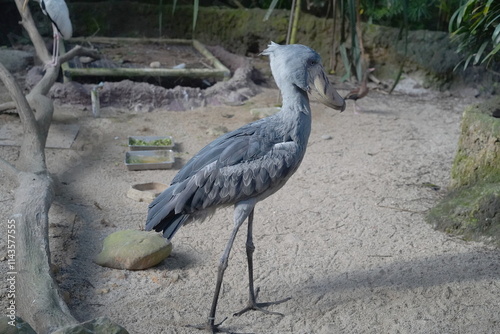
{"x": 156, "y": 142}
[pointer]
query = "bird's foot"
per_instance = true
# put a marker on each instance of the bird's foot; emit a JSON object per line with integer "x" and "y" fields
{"x": 210, "y": 326}
{"x": 358, "y": 109}
{"x": 253, "y": 305}
{"x": 50, "y": 64}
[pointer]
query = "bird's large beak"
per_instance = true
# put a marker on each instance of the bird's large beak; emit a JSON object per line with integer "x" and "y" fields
{"x": 325, "y": 93}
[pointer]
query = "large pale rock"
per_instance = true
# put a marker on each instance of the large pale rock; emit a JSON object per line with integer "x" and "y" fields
{"x": 16, "y": 60}
{"x": 100, "y": 325}
{"x": 132, "y": 249}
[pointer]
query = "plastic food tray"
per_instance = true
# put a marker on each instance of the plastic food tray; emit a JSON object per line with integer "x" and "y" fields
{"x": 142, "y": 160}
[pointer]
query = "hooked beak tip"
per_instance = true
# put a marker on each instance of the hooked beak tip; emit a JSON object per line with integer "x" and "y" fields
{"x": 326, "y": 93}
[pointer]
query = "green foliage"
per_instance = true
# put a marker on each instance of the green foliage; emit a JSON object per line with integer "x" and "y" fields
{"x": 476, "y": 27}
{"x": 421, "y": 14}
{"x": 196, "y": 6}
{"x": 404, "y": 31}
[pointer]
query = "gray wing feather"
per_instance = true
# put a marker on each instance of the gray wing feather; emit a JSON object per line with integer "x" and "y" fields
{"x": 243, "y": 164}
{"x": 224, "y": 149}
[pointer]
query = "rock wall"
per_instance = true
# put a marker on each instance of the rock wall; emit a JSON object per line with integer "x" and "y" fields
{"x": 430, "y": 59}
{"x": 472, "y": 208}
{"x": 478, "y": 155}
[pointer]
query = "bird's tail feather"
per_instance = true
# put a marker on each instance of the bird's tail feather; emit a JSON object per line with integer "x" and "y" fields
{"x": 162, "y": 216}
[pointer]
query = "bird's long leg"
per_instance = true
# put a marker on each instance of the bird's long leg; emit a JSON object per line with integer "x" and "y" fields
{"x": 356, "y": 110}
{"x": 252, "y": 299}
{"x": 55, "y": 46}
{"x": 241, "y": 212}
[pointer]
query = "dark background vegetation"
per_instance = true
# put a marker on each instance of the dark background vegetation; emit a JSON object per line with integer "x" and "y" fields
{"x": 474, "y": 24}
{"x": 422, "y": 14}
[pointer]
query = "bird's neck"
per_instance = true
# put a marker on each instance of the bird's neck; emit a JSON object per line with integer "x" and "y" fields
{"x": 296, "y": 115}
{"x": 295, "y": 99}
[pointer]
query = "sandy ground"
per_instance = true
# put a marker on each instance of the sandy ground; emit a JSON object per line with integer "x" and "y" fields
{"x": 345, "y": 238}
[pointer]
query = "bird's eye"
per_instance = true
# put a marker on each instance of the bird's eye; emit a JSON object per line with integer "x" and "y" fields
{"x": 312, "y": 62}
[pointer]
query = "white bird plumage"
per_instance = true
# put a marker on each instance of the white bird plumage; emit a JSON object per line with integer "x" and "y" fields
{"x": 58, "y": 13}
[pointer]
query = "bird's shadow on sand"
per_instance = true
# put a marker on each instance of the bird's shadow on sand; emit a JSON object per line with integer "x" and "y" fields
{"x": 376, "y": 112}
{"x": 408, "y": 275}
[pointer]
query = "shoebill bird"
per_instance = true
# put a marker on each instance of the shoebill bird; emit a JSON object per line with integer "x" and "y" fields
{"x": 247, "y": 165}
{"x": 58, "y": 13}
{"x": 361, "y": 91}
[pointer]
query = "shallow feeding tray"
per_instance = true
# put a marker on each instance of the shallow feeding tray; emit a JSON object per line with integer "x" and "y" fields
{"x": 143, "y": 143}
{"x": 146, "y": 192}
{"x": 142, "y": 160}
{"x": 127, "y": 58}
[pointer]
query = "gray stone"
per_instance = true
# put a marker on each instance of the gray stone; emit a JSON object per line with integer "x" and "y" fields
{"x": 134, "y": 250}
{"x": 15, "y": 60}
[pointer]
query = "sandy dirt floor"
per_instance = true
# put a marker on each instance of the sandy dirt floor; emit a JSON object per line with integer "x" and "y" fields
{"x": 345, "y": 238}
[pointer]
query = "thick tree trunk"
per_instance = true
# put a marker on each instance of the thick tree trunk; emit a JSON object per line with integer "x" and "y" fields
{"x": 38, "y": 299}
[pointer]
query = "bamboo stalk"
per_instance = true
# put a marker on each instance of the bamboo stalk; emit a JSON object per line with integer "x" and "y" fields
{"x": 333, "y": 56}
{"x": 293, "y": 38}
{"x": 220, "y": 72}
{"x": 201, "y": 73}
{"x": 290, "y": 22}
{"x": 213, "y": 60}
{"x": 143, "y": 40}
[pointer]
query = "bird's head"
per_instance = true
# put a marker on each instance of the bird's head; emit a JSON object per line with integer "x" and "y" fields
{"x": 300, "y": 66}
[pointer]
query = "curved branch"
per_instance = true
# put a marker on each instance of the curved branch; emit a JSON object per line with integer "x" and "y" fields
{"x": 27, "y": 117}
{"x": 43, "y": 86}
{"x": 29, "y": 24}
{"x": 52, "y": 72}
{"x": 79, "y": 51}
{"x": 7, "y": 106}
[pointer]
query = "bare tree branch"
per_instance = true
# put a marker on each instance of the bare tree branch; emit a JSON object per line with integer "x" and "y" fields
{"x": 7, "y": 106}
{"x": 32, "y": 157}
{"x": 47, "y": 81}
{"x": 38, "y": 298}
{"x": 79, "y": 51}
{"x": 29, "y": 24}
{"x": 17, "y": 95}
{"x": 39, "y": 301}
